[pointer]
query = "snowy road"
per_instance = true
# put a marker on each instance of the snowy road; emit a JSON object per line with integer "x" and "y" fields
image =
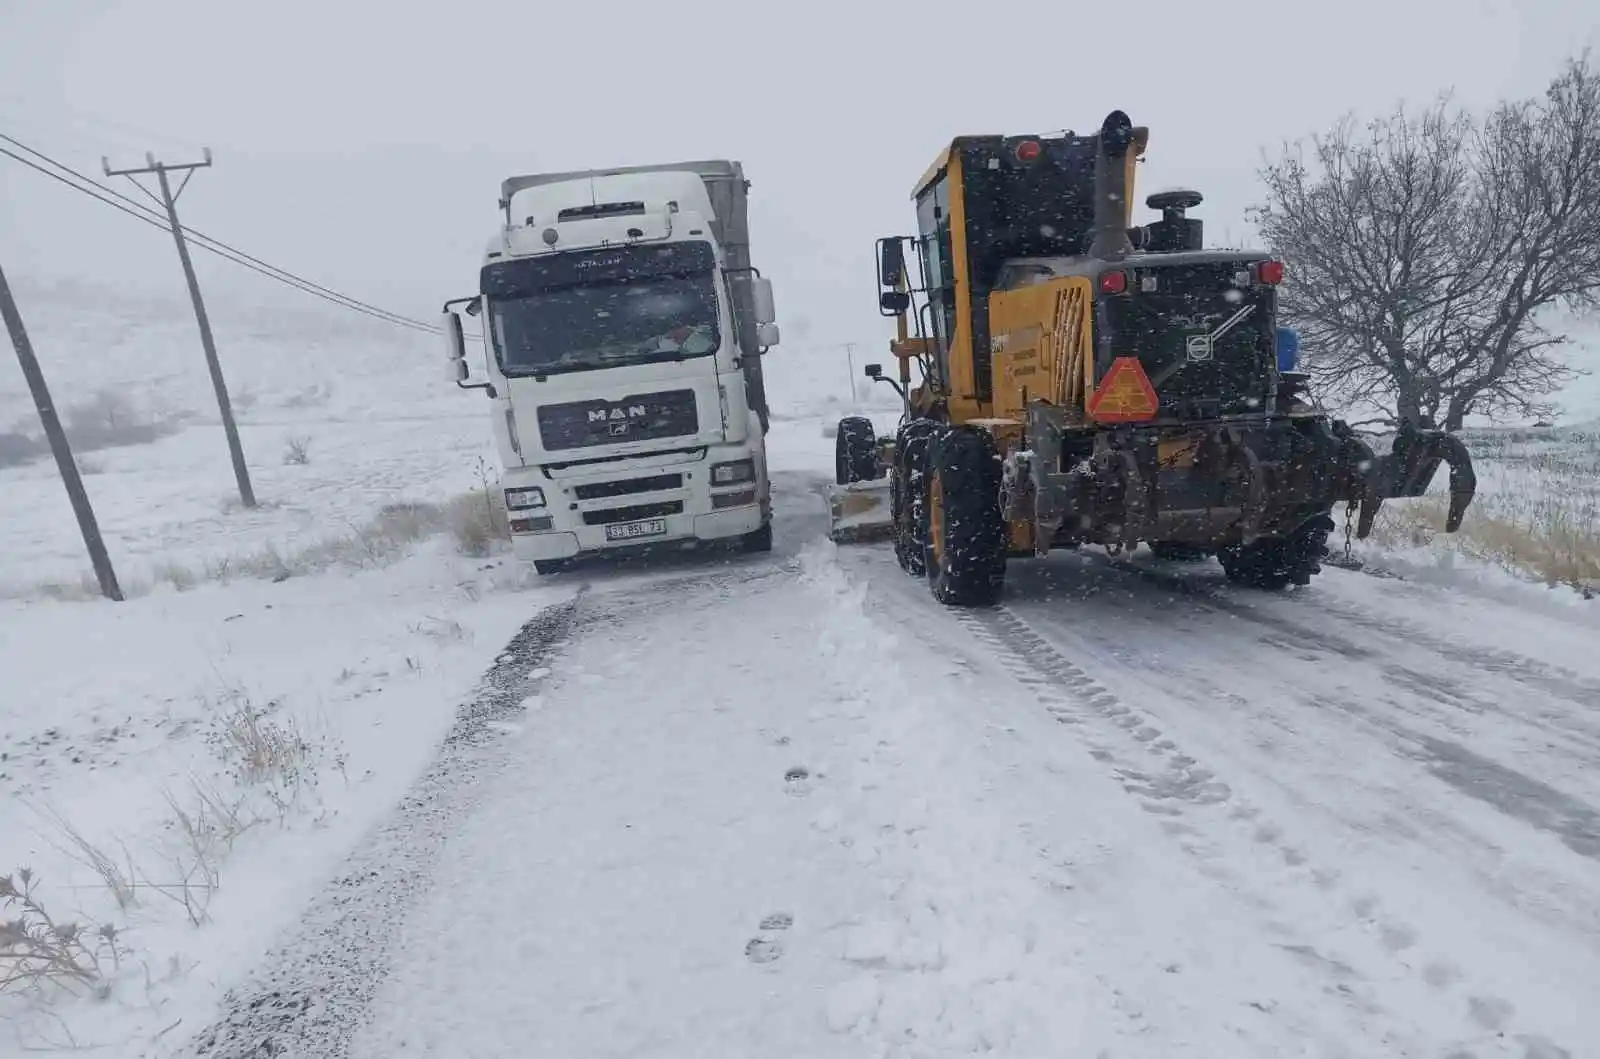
{"x": 789, "y": 805}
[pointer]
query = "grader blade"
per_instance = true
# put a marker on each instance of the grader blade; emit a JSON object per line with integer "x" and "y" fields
{"x": 860, "y": 512}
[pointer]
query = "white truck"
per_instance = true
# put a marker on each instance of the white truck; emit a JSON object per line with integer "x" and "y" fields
{"x": 623, "y": 330}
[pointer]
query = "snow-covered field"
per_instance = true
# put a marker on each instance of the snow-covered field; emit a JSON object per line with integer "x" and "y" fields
{"x": 1537, "y": 514}
{"x": 392, "y": 799}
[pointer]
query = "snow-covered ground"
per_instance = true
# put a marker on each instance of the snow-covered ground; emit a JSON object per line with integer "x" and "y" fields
{"x": 1536, "y": 517}
{"x": 413, "y": 802}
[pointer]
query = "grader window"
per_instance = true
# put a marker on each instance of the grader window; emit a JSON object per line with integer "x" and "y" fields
{"x": 933, "y": 232}
{"x": 1021, "y": 203}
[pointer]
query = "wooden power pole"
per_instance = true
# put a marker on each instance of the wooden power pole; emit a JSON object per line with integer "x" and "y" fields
{"x": 58, "y": 445}
{"x": 169, "y": 199}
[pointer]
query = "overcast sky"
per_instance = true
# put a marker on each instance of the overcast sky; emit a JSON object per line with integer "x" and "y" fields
{"x": 362, "y": 142}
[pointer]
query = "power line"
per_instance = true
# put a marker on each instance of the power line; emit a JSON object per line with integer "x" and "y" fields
{"x": 143, "y": 213}
{"x": 94, "y": 189}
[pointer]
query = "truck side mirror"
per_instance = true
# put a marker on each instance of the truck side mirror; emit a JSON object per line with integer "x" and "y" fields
{"x": 455, "y": 340}
{"x": 894, "y": 302}
{"x": 459, "y": 371}
{"x": 891, "y": 262}
{"x": 873, "y": 371}
{"x": 761, "y": 295}
{"x": 767, "y": 335}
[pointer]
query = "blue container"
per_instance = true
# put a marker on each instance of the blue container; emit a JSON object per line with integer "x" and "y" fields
{"x": 1288, "y": 348}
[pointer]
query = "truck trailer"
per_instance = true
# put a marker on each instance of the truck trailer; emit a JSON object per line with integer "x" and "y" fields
{"x": 623, "y": 329}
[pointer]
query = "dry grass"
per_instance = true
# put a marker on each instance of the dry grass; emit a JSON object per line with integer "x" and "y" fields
{"x": 116, "y": 875}
{"x": 1537, "y": 512}
{"x": 268, "y": 755}
{"x": 475, "y": 521}
{"x": 43, "y": 957}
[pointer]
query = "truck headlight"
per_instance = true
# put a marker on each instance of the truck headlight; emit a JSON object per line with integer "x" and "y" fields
{"x": 524, "y": 499}
{"x": 731, "y": 473}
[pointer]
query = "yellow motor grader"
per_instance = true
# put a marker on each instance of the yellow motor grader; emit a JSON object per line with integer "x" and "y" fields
{"x": 1087, "y": 381}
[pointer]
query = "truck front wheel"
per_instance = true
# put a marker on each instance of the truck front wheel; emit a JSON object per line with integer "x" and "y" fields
{"x": 757, "y": 540}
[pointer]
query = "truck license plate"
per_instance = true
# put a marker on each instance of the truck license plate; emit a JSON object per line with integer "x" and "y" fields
{"x": 627, "y": 531}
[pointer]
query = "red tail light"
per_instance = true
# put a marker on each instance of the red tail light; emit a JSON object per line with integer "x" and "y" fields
{"x": 1113, "y": 282}
{"x": 1028, "y": 150}
{"x": 1270, "y": 272}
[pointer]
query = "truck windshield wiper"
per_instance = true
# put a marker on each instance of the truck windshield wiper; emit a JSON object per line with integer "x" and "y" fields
{"x": 539, "y": 370}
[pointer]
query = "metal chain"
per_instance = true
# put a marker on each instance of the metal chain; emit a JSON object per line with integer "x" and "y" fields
{"x": 1349, "y": 517}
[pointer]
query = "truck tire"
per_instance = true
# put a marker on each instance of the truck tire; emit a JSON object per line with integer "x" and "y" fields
{"x": 1276, "y": 564}
{"x": 855, "y": 451}
{"x": 757, "y": 540}
{"x": 909, "y": 495}
{"x": 966, "y": 554}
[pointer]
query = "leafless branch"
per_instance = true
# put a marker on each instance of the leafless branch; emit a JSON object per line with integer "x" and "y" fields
{"x": 1429, "y": 250}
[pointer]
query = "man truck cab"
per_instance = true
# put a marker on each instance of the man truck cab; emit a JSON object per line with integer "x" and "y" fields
{"x": 623, "y": 331}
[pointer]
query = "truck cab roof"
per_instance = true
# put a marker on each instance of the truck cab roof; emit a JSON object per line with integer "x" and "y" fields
{"x": 618, "y": 196}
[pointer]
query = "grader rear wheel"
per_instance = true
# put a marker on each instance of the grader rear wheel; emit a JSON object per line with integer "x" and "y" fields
{"x": 966, "y": 554}
{"x": 909, "y": 500}
{"x": 1276, "y": 564}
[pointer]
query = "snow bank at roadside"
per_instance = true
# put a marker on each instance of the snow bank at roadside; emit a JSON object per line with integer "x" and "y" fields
{"x": 222, "y": 748}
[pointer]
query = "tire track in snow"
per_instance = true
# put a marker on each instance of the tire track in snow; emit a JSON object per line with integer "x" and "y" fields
{"x": 1550, "y": 679}
{"x": 313, "y": 989}
{"x": 1180, "y": 785}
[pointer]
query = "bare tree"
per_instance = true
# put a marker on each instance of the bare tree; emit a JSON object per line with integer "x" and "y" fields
{"x": 1428, "y": 251}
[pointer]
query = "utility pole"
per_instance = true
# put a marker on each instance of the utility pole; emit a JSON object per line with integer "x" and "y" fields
{"x": 58, "y": 445}
{"x": 850, "y": 358}
{"x": 169, "y": 199}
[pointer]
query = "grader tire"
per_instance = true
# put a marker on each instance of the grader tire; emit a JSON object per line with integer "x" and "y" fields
{"x": 966, "y": 554}
{"x": 1274, "y": 565}
{"x": 909, "y": 495}
{"x": 855, "y": 451}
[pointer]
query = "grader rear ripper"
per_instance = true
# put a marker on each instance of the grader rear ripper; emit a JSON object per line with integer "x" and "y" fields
{"x": 1090, "y": 382}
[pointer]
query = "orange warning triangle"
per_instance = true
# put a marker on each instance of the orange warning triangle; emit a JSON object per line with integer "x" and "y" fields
{"x": 1125, "y": 394}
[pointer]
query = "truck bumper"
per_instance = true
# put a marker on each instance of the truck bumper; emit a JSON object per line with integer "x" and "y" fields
{"x": 640, "y": 503}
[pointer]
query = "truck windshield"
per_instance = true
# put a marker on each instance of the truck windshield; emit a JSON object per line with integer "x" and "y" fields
{"x": 605, "y": 325}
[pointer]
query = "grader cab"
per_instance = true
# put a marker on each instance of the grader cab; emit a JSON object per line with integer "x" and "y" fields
{"x": 1086, "y": 381}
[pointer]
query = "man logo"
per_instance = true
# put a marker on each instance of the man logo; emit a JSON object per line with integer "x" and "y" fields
{"x": 602, "y": 415}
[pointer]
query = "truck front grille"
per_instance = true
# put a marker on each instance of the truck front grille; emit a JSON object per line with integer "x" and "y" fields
{"x": 637, "y": 417}
{"x": 608, "y": 515}
{"x": 654, "y": 484}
